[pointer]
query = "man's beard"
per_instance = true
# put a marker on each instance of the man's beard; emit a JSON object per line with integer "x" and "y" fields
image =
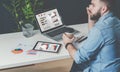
{"x": 95, "y": 16}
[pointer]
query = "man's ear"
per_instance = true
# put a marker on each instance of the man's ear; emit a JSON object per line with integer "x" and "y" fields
{"x": 104, "y": 9}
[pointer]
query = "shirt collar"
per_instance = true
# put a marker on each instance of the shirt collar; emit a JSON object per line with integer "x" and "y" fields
{"x": 101, "y": 19}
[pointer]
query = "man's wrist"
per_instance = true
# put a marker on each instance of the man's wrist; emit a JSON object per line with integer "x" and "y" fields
{"x": 67, "y": 45}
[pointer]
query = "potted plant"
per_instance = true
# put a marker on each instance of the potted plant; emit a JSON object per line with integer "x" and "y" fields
{"x": 22, "y": 10}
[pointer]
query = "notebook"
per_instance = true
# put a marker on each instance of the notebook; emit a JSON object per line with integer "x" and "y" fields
{"x": 51, "y": 25}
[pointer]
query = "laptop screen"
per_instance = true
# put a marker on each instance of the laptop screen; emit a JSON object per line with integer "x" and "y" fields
{"x": 49, "y": 20}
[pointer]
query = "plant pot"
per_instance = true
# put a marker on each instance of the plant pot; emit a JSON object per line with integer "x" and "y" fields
{"x": 28, "y": 30}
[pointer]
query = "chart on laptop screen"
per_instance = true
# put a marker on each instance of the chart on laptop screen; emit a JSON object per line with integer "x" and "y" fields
{"x": 48, "y": 20}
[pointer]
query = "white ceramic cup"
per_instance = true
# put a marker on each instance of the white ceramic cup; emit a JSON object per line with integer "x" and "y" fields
{"x": 70, "y": 35}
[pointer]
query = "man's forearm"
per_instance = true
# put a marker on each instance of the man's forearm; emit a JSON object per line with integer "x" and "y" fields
{"x": 71, "y": 49}
{"x": 90, "y": 25}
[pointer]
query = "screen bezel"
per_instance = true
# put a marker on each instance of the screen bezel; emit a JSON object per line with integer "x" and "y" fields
{"x": 48, "y": 43}
{"x": 42, "y": 11}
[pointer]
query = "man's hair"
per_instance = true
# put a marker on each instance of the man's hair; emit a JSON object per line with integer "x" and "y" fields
{"x": 110, "y": 4}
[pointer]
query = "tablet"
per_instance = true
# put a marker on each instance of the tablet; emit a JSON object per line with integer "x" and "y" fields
{"x": 47, "y": 46}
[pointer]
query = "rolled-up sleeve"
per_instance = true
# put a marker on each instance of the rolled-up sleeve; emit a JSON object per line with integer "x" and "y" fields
{"x": 91, "y": 47}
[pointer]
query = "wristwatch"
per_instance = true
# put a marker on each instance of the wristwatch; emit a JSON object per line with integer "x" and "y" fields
{"x": 67, "y": 45}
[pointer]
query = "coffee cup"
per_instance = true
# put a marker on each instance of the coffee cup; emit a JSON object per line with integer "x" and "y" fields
{"x": 70, "y": 35}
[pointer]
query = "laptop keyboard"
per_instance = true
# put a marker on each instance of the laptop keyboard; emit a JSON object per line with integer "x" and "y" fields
{"x": 60, "y": 31}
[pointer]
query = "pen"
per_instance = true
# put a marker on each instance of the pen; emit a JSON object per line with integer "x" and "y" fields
{"x": 82, "y": 39}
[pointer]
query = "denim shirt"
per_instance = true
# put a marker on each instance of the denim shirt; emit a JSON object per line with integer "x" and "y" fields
{"x": 102, "y": 47}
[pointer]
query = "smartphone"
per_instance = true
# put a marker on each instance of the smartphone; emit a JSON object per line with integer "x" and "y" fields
{"x": 47, "y": 46}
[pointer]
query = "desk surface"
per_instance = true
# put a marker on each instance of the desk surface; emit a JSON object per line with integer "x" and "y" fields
{"x": 10, "y": 41}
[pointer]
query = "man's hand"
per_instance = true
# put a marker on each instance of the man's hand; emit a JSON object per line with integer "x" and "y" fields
{"x": 90, "y": 22}
{"x": 67, "y": 38}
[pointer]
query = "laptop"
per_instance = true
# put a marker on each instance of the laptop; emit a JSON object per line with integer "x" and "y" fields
{"x": 51, "y": 25}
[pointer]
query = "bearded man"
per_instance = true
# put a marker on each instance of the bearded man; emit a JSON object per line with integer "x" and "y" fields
{"x": 101, "y": 50}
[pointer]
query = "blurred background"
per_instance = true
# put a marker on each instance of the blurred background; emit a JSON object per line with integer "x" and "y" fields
{"x": 14, "y": 13}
